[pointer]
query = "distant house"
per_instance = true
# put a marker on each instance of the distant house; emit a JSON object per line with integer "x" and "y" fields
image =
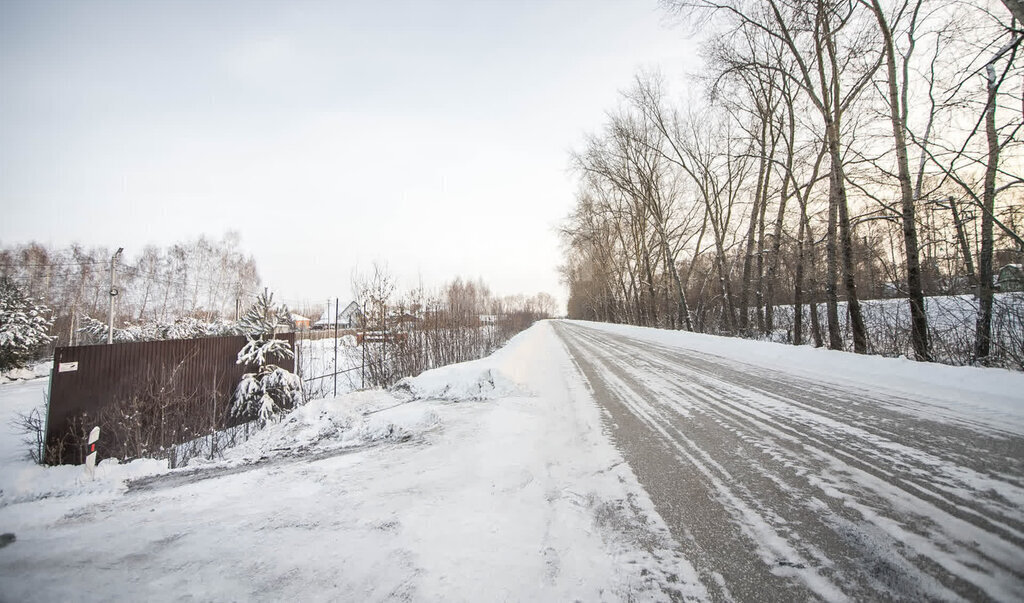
{"x": 1011, "y": 278}
{"x": 301, "y": 322}
{"x": 488, "y": 319}
{"x": 349, "y": 316}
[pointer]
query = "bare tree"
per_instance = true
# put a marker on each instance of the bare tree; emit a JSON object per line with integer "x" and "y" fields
{"x": 897, "y": 108}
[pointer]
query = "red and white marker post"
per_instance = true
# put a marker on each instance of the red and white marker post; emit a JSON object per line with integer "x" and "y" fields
{"x": 90, "y": 460}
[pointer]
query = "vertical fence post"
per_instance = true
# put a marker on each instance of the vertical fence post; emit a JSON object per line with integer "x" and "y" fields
{"x": 335, "y": 345}
{"x": 90, "y": 460}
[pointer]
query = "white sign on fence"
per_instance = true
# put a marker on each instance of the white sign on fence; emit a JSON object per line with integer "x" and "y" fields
{"x": 67, "y": 367}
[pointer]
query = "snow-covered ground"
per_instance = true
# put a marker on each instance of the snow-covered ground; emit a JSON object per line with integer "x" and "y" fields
{"x": 315, "y": 364}
{"x": 490, "y": 480}
{"x": 40, "y": 369}
{"x": 951, "y": 324}
{"x": 580, "y": 462}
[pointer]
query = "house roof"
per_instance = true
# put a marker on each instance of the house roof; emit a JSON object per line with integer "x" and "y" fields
{"x": 344, "y": 314}
{"x": 1011, "y": 273}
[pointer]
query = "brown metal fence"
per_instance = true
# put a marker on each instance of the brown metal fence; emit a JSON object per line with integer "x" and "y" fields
{"x": 145, "y": 396}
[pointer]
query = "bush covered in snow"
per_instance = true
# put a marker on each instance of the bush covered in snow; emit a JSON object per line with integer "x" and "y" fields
{"x": 24, "y": 327}
{"x": 267, "y": 393}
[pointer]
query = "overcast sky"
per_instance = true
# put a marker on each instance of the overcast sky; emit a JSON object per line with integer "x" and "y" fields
{"x": 433, "y": 136}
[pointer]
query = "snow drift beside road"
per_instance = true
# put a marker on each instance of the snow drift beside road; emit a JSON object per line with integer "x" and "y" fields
{"x": 354, "y": 419}
{"x": 475, "y": 380}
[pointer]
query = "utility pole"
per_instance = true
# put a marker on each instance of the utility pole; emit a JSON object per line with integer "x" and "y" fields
{"x": 362, "y": 348}
{"x": 335, "y": 343}
{"x": 113, "y": 294}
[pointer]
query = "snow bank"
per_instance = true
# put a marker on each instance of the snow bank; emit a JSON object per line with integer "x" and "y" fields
{"x": 35, "y": 371}
{"x": 396, "y": 424}
{"x": 488, "y": 378}
{"x": 460, "y": 382}
{"x": 25, "y": 481}
{"x": 21, "y": 480}
{"x": 349, "y": 420}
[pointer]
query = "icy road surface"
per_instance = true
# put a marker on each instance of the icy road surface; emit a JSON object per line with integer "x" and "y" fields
{"x": 817, "y": 475}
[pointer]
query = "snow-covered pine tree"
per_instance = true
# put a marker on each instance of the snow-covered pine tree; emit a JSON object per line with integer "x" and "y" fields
{"x": 95, "y": 331}
{"x": 24, "y": 326}
{"x": 270, "y": 390}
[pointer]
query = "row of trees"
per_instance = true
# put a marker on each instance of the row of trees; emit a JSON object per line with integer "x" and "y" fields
{"x": 204, "y": 279}
{"x": 840, "y": 149}
{"x": 460, "y": 321}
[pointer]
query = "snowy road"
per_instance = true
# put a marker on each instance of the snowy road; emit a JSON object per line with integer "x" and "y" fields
{"x": 579, "y": 462}
{"x": 811, "y": 483}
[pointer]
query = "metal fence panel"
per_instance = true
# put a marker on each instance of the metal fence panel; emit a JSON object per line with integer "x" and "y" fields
{"x": 86, "y": 380}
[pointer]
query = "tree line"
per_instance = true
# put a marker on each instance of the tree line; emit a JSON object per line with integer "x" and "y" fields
{"x": 828, "y": 152}
{"x": 204, "y": 280}
{"x": 460, "y": 320}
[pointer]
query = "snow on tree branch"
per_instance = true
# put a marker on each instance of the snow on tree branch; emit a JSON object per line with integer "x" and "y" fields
{"x": 270, "y": 390}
